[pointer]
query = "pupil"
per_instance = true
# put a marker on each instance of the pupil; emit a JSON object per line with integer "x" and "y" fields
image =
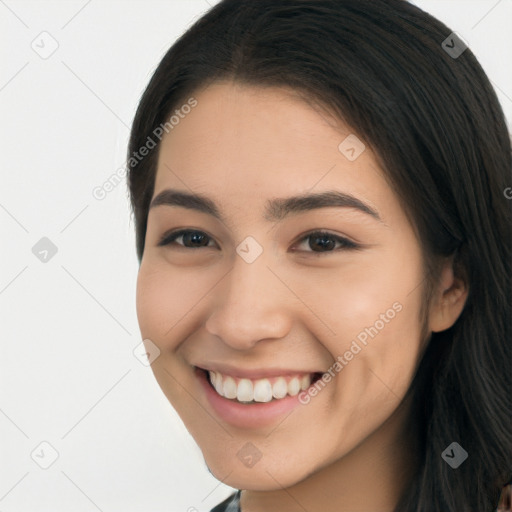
{"x": 193, "y": 237}
{"x": 323, "y": 244}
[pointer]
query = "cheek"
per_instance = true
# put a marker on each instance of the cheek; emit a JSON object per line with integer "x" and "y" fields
{"x": 163, "y": 299}
{"x": 149, "y": 303}
{"x": 378, "y": 335}
{"x": 372, "y": 312}
{"x": 166, "y": 297}
{"x": 388, "y": 349}
{"x": 379, "y": 294}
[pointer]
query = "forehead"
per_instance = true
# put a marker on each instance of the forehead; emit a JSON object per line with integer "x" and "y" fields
{"x": 247, "y": 144}
{"x": 236, "y": 110}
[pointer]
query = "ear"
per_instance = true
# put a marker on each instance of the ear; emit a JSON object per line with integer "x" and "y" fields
{"x": 448, "y": 298}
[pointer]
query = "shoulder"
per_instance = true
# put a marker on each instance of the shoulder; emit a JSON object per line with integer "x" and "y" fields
{"x": 230, "y": 504}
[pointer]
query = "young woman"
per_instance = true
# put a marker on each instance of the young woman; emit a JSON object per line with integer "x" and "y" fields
{"x": 322, "y": 200}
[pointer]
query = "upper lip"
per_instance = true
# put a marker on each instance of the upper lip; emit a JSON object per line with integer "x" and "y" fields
{"x": 253, "y": 373}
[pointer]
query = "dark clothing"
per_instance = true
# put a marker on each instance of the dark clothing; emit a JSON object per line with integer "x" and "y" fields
{"x": 230, "y": 504}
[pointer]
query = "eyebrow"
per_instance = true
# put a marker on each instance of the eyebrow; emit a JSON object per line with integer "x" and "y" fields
{"x": 276, "y": 209}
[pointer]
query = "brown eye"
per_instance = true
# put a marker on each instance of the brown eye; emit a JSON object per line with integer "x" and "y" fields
{"x": 319, "y": 241}
{"x": 322, "y": 241}
{"x": 191, "y": 239}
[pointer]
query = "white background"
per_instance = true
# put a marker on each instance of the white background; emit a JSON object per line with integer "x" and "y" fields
{"x": 67, "y": 372}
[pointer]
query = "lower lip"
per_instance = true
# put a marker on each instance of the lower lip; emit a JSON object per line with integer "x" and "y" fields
{"x": 246, "y": 415}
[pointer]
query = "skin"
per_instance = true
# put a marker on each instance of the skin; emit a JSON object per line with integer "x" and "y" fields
{"x": 349, "y": 448}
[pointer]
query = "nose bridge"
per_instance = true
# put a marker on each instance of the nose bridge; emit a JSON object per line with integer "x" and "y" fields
{"x": 250, "y": 304}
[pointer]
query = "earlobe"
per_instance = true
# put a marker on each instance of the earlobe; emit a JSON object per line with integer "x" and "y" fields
{"x": 448, "y": 299}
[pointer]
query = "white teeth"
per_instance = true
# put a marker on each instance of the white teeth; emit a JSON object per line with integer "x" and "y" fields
{"x": 261, "y": 390}
{"x": 245, "y": 391}
{"x": 218, "y": 383}
{"x": 293, "y": 386}
{"x": 280, "y": 388}
{"x": 305, "y": 382}
{"x": 229, "y": 387}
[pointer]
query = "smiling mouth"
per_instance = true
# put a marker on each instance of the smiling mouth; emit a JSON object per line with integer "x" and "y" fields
{"x": 251, "y": 391}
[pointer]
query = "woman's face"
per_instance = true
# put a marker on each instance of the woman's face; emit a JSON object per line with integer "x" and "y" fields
{"x": 256, "y": 295}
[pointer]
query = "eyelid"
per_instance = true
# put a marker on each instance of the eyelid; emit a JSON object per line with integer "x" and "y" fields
{"x": 165, "y": 238}
{"x": 349, "y": 244}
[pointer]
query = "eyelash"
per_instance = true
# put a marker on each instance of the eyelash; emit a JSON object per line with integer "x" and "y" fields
{"x": 346, "y": 244}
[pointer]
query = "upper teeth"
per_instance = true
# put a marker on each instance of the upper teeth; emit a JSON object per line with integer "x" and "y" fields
{"x": 260, "y": 390}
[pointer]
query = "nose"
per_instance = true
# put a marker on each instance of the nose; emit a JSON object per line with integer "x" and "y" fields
{"x": 250, "y": 304}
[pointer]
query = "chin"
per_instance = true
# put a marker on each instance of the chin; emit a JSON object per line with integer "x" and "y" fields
{"x": 264, "y": 475}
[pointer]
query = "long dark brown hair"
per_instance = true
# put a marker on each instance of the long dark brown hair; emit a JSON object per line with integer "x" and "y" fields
{"x": 434, "y": 121}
